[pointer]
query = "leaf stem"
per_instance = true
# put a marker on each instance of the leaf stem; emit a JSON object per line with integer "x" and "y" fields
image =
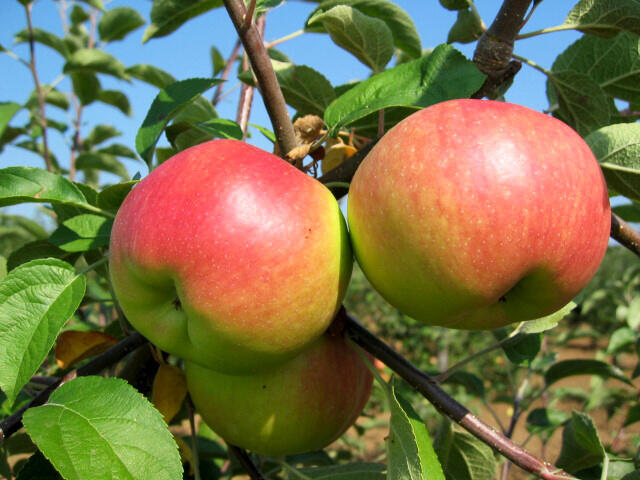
{"x": 605, "y": 467}
{"x": 557, "y": 28}
{"x": 533, "y": 64}
{"x": 293, "y": 470}
{"x": 94, "y": 265}
{"x": 295, "y": 34}
{"x": 194, "y": 443}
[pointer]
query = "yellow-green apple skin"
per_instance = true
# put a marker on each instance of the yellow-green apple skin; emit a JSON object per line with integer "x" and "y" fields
{"x": 300, "y": 406}
{"x": 228, "y": 256}
{"x": 474, "y": 214}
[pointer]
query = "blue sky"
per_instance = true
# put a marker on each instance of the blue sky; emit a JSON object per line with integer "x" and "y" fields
{"x": 185, "y": 53}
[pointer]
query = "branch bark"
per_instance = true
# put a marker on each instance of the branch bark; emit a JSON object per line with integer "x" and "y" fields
{"x": 243, "y": 458}
{"x": 447, "y": 405}
{"x": 13, "y": 423}
{"x": 625, "y": 234}
{"x": 495, "y": 47}
{"x": 265, "y": 76}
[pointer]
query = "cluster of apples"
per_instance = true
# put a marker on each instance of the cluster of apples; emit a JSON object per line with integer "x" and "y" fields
{"x": 468, "y": 214}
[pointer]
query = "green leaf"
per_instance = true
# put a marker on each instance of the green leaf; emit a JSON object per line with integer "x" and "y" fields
{"x": 168, "y": 15}
{"x": 404, "y": 32}
{"x": 52, "y": 97}
{"x": 100, "y": 133}
{"x": 117, "y": 23}
{"x": 369, "y": 39}
{"x": 583, "y": 105}
{"x": 633, "y": 415}
{"x": 28, "y": 185}
{"x": 464, "y": 457}
{"x": 633, "y": 313}
{"x": 7, "y": 111}
{"x": 617, "y": 148}
{"x": 78, "y": 15}
{"x": 467, "y": 28}
{"x": 348, "y": 471}
{"x": 115, "y": 99}
{"x": 305, "y": 89}
{"x": 547, "y": 323}
{"x": 82, "y": 233}
{"x": 221, "y": 128}
{"x": 128, "y": 437}
{"x": 38, "y": 468}
{"x": 164, "y": 154}
{"x": 444, "y": 74}
{"x": 620, "y": 338}
{"x": 541, "y": 419}
{"x": 631, "y": 213}
{"x": 581, "y": 446}
{"x": 570, "y": 368}
{"x": 410, "y": 454}
{"x": 111, "y": 197}
{"x": 151, "y": 75}
{"x": 43, "y": 37}
{"x": 199, "y": 110}
{"x": 635, "y": 475}
{"x": 614, "y": 64}
{"x": 118, "y": 150}
{"x": 94, "y": 3}
{"x": 95, "y": 61}
{"x": 3, "y": 267}
{"x": 605, "y": 17}
{"x": 268, "y": 134}
{"x": 165, "y": 106}
{"x": 523, "y": 348}
{"x": 103, "y": 162}
{"x": 36, "y": 250}
{"x": 86, "y": 86}
{"x": 455, "y": 4}
{"x": 36, "y": 300}
{"x": 471, "y": 383}
{"x": 217, "y": 61}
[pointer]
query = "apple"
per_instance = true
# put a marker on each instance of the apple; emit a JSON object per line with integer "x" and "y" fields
{"x": 228, "y": 256}
{"x": 300, "y": 406}
{"x": 474, "y": 214}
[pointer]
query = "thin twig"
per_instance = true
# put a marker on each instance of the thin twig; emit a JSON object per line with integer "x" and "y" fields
{"x": 225, "y": 73}
{"x": 13, "y": 423}
{"x": 246, "y": 93}
{"x": 447, "y": 405}
{"x": 194, "y": 438}
{"x": 245, "y": 461}
{"x": 265, "y": 76}
{"x": 42, "y": 120}
{"x": 625, "y": 234}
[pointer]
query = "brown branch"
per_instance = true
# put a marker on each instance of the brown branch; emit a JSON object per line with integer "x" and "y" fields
{"x": 40, "y": 92}
{"x": 225, "y": 73}
{"x": 265, "y": 76}
{"x": 243, "y": 458}
{"x": 625, "y": 234}
{"x": 246, "y": 92}
{"x": 447, "y": 405}
{"x": 495, "y": 47}
{"x": 13, "y": 423}
{"x": 346, "y": 170}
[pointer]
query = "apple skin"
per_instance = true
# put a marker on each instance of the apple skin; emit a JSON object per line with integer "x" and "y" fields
{"x": 228, "y": 256}
{"x": 473, "y": 214}
{"x": 300, "y": 406}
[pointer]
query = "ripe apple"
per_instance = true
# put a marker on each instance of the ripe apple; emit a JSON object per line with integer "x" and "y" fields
{"x": 474, "y": 214}
{"x": 300, "y": 406}
{"x": 230, "y": 257}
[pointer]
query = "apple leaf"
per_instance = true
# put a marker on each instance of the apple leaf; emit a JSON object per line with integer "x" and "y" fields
{"x": 545, "y": 419}
{"x": 463, "y": 456}
{"x": 95, "y": 61}
{"x": 410, "y": 454}
{"x": 369, "y": 39}
{"x": 116, "y": 99}
{"x": 401, "y": 25}
{"x": 221, "y": 128}
{"x": 45, "y": 38}
{"x": 520, "y": 349}
{"x": 29, "y": 185}
{"x": 103, "y": 162}
{"x": 128, "y": 437}
{"x": 471, "y": 383}
{"x": 52, "y": 97}
{"x": 167, "y": 104}
{"x": 305, "y": 89}
{"x": 118, "y": 22}
{"x": 348, "y": 471}
{"x": 169, "y": 391}
{"x": 635, "y": 475}
{"x": 169, "y": 15}
{"x": 36, "y": 300}
{"x": 629, "y": 212}
{"x": 111, "y": 197}
{"x": 621, "y": 337}
{"x": 86, "y": 86}
{"x": 617, "y": 148}
{"x": 582, "y": 104}
{"x": 151, "y": 75}
{"x": 95, "y": 4}
{"x": 38, "y": 249}
{"x": 442, "y": 75}
{"x": 605, "y": 18}
{"x": 573, "y": 367}
{"x": 633, "y": 415}
{"x": 99, "y": 134}
{"x": 455, "y": 4}
{"x": 613, "y": 63}
{"x": 82, "y": 232}
{"x": 268, "y": 134}
{"x": 467, "y": 28}
{"x": 119, "y": 150}
{"x": 581, "y": 446}
{"x": 38, "y": 468}
{"x": 7, "y": 111}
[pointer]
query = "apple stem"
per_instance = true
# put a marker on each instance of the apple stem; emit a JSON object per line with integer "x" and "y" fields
{"x": 447, "y": 405}
{"x": 243, "y": 458}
